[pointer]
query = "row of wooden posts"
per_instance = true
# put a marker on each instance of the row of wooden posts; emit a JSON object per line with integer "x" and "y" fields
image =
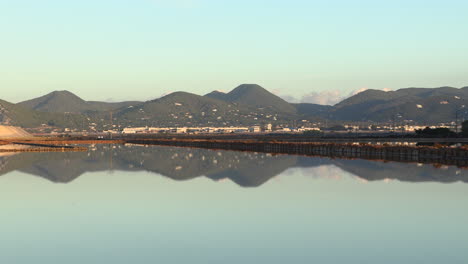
{"x": 44, "y": 149}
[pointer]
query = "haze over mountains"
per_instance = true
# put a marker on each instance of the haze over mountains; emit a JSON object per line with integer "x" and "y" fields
{"x": 248, "y": 104}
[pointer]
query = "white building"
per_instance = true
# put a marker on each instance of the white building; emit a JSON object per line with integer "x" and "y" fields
{"x": 134, "y": 130}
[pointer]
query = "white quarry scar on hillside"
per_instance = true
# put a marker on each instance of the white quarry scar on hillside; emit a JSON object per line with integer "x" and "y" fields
{"x": 13, "y": 132}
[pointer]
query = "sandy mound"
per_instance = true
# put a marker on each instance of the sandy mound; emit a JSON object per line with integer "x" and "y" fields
{"x": 13, "y": 132}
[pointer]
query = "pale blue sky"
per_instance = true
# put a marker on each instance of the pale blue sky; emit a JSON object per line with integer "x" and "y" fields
{"x": 140, "y": 49}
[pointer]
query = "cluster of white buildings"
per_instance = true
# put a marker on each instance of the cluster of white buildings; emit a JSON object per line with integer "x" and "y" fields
{"x": 405, "y": 128}
{"x": 190, "y": 130}
{"x": 208, "y": 130}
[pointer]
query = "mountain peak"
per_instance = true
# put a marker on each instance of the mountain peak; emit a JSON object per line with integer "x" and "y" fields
{"x": 178, "y": 94}
{"x": 57, "y": 101}
{"x": 249, "y": 88}
{"x": 217, "y": 95}
{"x": 65, "y": 94}
{"x": 216, "y": 92}
{"x": 257, "y": 96}
{"x": 62, "y": 92}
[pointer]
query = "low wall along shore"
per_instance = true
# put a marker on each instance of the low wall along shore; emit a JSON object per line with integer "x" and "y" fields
{"x": 437, "y": 155}
{"x": 419, "y": 154}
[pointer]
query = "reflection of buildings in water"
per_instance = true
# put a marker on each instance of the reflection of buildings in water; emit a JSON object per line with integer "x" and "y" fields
{"x": 247, "y": 169}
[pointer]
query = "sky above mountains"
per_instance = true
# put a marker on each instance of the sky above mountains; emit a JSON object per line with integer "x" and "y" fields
{"x": 305, "y": 50}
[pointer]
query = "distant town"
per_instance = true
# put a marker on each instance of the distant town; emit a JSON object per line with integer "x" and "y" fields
{"x": 255, "y": 129}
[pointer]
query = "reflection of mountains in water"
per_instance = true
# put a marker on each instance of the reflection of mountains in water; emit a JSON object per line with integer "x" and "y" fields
{"x": 247, "y": 169}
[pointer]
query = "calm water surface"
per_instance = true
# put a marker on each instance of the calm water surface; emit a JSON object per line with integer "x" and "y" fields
{"x": 176, "y": 205}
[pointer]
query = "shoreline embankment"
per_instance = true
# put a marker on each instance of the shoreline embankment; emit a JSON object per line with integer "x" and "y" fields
{"x": 437, "y": 154}
{"x": 419, "y": 154}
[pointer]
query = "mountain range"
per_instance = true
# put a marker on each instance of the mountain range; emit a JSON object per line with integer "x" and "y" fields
{"x": 248, "y": 104}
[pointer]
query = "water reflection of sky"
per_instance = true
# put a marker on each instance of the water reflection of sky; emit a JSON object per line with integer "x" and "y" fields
{"x": 318, "y": 214}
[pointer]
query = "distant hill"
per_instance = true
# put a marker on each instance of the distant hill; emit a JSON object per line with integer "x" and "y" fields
{"x": 217, "y": 95}
{"x": 181, "y": 108}
{"x": 176, "y": 108}
{"x": 67, "y": 102}
{"x": 16, "y": 115}
{"x": 313, "y": 110}
{"x": 255, "y": 96}
{"x": 418, "y": 104}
